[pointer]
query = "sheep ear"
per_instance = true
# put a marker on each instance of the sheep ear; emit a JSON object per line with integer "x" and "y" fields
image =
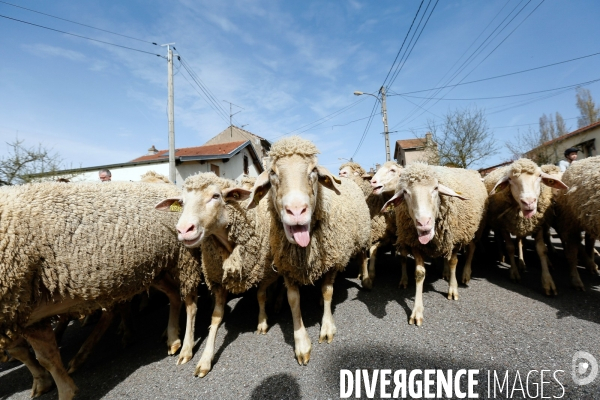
{"x": 260, "y": 189}
{"x": 366, "y": 177}
{"x": 237, "y": 194}
{"x": 501, "y": 185}
{"x": 326, "y": 179}
{"x": 445, "y": 190}
{"x": 172, "y": 204}
{"x": 396, "y": 199}
{"x": 553, "y": 182}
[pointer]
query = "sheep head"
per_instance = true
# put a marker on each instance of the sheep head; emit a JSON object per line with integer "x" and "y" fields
{"x": 292, "y": 181}
{"x": 386, "y": 178}
{"x": 351, "y": 168}
{"x": 421, "y": 191}
{"x": 203, "y": 202}
{"x": 525, "y": 178}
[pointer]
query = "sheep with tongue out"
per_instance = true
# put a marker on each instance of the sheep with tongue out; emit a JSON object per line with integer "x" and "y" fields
{"x": 318, "y": 223}
{"x": 439, "y": 210}
{"x": 521, "y": 204}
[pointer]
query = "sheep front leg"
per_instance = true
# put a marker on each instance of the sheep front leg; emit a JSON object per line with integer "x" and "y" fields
{"x": 466, "y": 276}
{"x": 173, "y": 341}
{"x": 590, "y": 254}
{"x": 452, "y": 283}
{"x": 368, "y": 275}
{"x": 328, "y": 328}
{"x": 510, "y": 249}
{"x": 547, "y": 282}
{"x": 403, "y": 261}
{"x": 302, "y": 345}
{"x": 205, "y": 363}
{"x": 42, "y": 380}
{"x": 261, "y": 296}
{"x": 417, "y": 314}
{"x": 191, "y": 308}
{"x": 521, "y": 264}
{"x": 42, "y": 339}
{"x": 86, "y": 348}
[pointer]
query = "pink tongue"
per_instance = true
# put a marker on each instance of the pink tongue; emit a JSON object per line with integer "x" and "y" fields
{"x": 426, "y": 238}
{"x": 528, "y": 214}
{"x": 301, "y": 235}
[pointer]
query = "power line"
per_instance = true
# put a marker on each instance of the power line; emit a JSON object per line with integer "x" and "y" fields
{"x": 78, "y": 23}
{"x": 405, "y": 37}
{"x": 511, "y": 95}
{"x": 494, "y": 77}
{"x": 83, "y": 37}
{"x": 365, "y": 132}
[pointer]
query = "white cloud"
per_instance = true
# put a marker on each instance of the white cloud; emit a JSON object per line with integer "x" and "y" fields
{"x": 40, "y": 49}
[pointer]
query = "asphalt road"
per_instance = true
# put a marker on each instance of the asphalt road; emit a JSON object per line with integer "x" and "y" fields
{"x": 496, "y": 325}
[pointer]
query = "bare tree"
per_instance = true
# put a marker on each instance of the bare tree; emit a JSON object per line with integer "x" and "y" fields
{"x": 587, "y": 108}
{"x": 21, "y": 163}
{"x": 531, "y": 143}
{"x": 462, "y": 138}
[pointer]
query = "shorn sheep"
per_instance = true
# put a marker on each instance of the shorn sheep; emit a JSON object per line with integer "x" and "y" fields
{"x": 317, "y": 224}
{"x": 520, "y": 203}
{"x": 446, "y": 207}
{"x": 578, "y": 209}
{"x": 234, "y": 243}
{"x": 72, "y": 249}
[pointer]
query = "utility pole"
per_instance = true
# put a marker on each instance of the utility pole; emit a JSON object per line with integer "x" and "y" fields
{"x": 171, "y": 110}
{"x": 385, "y": 124}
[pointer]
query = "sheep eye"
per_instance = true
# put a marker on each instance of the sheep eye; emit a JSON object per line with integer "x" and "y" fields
{"x": 216, "y": 196}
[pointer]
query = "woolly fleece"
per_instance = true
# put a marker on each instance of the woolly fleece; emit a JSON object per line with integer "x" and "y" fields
{"x": 250, "y": 261}
{"x": 96, "y": 243}
{"x": 457, "y": 221}
{"x": 154, "y": 177}
{"x": 340, "y": 225}
{"x": 505, "y": 213}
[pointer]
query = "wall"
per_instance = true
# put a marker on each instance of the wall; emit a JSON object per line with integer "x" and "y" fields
{"x": 574, "y": 141}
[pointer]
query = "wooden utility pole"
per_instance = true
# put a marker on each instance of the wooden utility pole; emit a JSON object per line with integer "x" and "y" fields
{"x": 171, "y": 111}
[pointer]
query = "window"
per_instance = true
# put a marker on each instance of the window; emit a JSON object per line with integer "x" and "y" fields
{"x": 246, "y": 165}
{"x": 215, "y": 168}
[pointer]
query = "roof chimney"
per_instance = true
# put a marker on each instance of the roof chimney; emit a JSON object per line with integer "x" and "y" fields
{"x": 152, "y": 151}
{"x": 428, "y": 139}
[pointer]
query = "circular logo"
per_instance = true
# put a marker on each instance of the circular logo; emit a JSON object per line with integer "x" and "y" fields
{"x": 584, "y": 368}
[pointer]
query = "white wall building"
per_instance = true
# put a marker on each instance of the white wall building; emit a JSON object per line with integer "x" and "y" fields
{"x": 228, "y": 160}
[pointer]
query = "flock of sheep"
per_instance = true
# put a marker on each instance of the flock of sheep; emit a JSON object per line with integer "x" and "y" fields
{"x": 68, "y": 250}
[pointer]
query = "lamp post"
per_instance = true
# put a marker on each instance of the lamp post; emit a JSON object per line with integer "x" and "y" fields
{"x": 384, "y": 117}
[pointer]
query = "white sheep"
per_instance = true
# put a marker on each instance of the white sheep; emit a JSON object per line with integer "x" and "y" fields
{"x": 578, "y": 209}
{"x": 446, "y": 207}
{"x": 318, "y": 223}
{"x": 72, "y": 249}
{"x": 523, "y": 210}
{"x": 234, "y": 243}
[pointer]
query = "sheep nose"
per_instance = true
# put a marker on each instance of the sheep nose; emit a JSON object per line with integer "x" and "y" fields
{"x": 295, "y": 211}
{"x": 424, "y": 221}
{"x": 188, "y": 228}
{"x": 528, "y": 201}
{"x": 374, "y": 182}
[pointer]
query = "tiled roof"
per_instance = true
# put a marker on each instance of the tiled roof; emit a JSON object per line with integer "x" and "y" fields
{"x": 206, "y": 150}
{"x": 568, "y": 135}
{"x": 410, "y": 143}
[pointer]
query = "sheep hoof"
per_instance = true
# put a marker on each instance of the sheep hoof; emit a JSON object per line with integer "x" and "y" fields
{"x": 262, "y": 328}
{"x": 466, "y": 278}
{"x": 367, "y": 283}
{"x": 174, "y": 347}
{"x": 303, "y": 358}
{"x": 74, "y": 365}
{"x": 327, "y": 333}
{"x": 550, "y": 290}
{"x": 41, "y": 385}
{"x": 416, "y": 317}
{"x": 514, "y": 275}
{"x": 522, "y": 266}
{"x": 452, "y": 293}
{"x": 202, "y": 369}
{"x": 403, "y": 283}
{"x": 183, "y": 357}
{"x": 302, "y": 349}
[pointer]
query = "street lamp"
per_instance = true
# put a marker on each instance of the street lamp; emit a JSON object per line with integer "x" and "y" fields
{"x": 384, "y": 117}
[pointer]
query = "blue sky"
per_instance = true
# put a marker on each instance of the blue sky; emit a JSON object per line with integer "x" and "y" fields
{"x": 287, "y": 63}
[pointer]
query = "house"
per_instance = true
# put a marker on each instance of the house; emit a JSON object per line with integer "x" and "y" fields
{"x": 408, "y": 151}
{"x": 552, "y": 151}
{"x": 485, "y": 171}
{"x": 230, "y": 159}
{"x": 233, "y": 133}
